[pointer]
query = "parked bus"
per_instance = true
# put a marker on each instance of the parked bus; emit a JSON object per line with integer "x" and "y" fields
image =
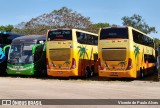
{"x": 125, "y": 52}
{"x": 158, "y": 62}
{"x": 71, "y": 52}
{"x": 5, "y": 41}
{"x": 27, "y": 56}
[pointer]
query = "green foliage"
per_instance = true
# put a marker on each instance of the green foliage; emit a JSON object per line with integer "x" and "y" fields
{"x": 95, "y": 27}
{"x": 41, "y": 30}
{"x": 7, "y": 28}
{"x": 62, "y": 18}
{"x": 101, "y": 25}
{"x": 157, "y": 41}
{"x": 137, "y": 22}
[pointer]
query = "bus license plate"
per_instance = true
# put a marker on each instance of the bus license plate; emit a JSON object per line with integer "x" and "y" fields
{"x": 60, "y": 72}
{"x": 113, "y": 74}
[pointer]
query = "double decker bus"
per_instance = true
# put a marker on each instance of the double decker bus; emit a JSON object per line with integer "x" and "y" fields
{"x": 27, "y": 56}
{"x": 5, "y": 41}
{"x": 158, "y": 62}
{"x": 125, "y": 52}
{"x": 71, "y": 52}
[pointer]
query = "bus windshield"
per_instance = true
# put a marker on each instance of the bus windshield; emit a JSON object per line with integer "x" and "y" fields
{"x": 110, "y": 33}
{"x": 21, "y": 53}
{"x": 60, "y": 35}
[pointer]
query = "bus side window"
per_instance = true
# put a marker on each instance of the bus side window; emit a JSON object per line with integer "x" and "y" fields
{"x": 38, "y": 53}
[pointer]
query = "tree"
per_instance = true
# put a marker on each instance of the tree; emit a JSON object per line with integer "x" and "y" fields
{"x": 95, "y": 27}
{"x": 157, "y": 41}
{"x": 137, "y": 22}
{"x": 62, "y": 18}
{"x": 7, "y": 28}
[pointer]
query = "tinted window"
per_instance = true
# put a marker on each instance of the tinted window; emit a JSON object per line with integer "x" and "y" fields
{"x": 6, "y": 38}
{"x": 149, "y": 58}
{"x": 114, "y": 33}
{"x": 142, "y": 39}
{"x": 60, "y": 35}
{"x": 84, "y": 38}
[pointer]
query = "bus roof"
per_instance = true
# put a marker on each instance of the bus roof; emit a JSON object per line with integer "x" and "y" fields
{"x": 11, "y": 34}
{"x": 30, "y": 38}
{"x": 128, "y": 27}
{"x": 74, "y": 29}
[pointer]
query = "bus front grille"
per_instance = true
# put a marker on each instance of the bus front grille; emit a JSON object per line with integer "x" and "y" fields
{"x": 109, "y": 54}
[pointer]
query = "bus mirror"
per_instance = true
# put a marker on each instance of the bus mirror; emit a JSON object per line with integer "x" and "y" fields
{"x": 35, "y": 47}
{"x": 41, "y": 42}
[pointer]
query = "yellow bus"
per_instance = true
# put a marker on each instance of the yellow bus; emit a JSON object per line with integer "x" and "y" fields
{"x": 71, "y": 52}
{"x": 125, "y": 52}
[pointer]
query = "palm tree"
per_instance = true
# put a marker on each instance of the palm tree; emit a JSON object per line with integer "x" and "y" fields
{"x": 67, "y": 63}
{"x": 59, "y": 65}
{"x": 122, "y": 64}
{"x": 136, "y": 51}
{"x": 82, "y": 51}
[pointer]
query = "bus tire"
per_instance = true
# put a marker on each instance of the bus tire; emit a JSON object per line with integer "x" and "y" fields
{"x": 92, "y": 71}
{"x": 87, "y": 72}
{"x": 141, "y": 73}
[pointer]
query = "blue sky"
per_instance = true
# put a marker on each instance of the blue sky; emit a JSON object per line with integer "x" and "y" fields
{"x": 110, "y": 11}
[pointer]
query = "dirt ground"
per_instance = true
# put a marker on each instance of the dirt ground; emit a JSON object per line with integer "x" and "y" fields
{"x": 50, "y": 88}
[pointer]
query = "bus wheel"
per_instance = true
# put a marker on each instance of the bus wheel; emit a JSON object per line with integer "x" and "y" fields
{"x": 141, "y": 73}
{"x": 92, "y": 71}
{"x": 87, "y": 72}
{"x": 44, "y": 73}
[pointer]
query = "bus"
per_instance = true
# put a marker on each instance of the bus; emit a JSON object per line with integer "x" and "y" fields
{"x": 71, "y": 53}
{"x": 125, "y": 52}
{"x": 5, "y": 41}
{"x": 158, "y": 62}
{"x": 27, "y": 56}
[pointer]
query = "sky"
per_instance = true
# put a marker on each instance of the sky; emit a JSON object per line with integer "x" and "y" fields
{"x": 106, "y": 11}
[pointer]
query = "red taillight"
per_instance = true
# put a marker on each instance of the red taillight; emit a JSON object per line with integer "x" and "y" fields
{"x": 99, "y": 64}
{"x": 73, "y": 66}
{"x": 47, "y": 63}
{"x": 129, "y": 64}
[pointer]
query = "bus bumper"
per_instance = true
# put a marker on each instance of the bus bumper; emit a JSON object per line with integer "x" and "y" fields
{"x": 60, "y": 73}
{"x": 117, "y": 74}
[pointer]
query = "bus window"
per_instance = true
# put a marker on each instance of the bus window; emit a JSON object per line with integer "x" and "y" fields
{"x": 84, "y": 38}
{"x": 60, "y": 35}
{"x": 27, "y": 53}
{"x": 114, "y": 33}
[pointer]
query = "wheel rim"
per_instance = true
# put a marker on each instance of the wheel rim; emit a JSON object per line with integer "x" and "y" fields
{"x": 86, "y": 73}
{"x": 92, "y": 73}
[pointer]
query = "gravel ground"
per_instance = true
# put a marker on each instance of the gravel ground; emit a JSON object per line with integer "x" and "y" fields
{"x": 95, "y": 88}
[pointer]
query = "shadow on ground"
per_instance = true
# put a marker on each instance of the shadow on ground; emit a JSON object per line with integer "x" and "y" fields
{"x": 153, "y": 77}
